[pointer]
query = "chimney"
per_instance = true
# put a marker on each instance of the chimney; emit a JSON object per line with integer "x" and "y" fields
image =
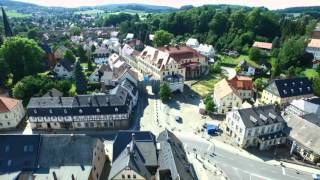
{"x": 128, "y": 148}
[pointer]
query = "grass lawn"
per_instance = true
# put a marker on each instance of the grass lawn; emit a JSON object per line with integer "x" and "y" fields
{"x": 14, "y": 13}
{"x": 235, "y": 61}
{"x": 205, "y": 85}
{"x": 310, "y": 73}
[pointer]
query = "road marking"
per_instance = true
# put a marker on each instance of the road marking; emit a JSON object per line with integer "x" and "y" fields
{"x": 209, "y": 147}
{"x": 283, "y": 171}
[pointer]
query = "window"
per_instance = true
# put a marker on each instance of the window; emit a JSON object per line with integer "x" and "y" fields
{"x": 1, "y": 124}
{"x": 8, "y": 123}
{"x": 134, "y": 176}
{"x": 79, "y": 124}
{"x": 123, "y": 176}
{"x": 129, "y": 177}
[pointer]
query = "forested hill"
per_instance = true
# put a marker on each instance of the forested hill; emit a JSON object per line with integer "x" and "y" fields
{"x": 313, "y": 9}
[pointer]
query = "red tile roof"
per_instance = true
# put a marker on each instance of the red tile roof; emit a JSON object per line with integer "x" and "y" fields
{"x": 241, "y": 82}
{"x": 180, "y": 52}
{"x": 7, "y": 104}
{"x": 263, "y": 45}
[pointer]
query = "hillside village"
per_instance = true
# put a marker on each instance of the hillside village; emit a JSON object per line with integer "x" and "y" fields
{"x": 155, "y": 96}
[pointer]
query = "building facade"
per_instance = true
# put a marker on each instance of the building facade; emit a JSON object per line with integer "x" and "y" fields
{"x": 283, "y": 91}
{"x": 11, "y": 112}
{"x": 64, "y": 69}
{"x": 111, "y": 111}
{"x": 243, "y": 85}
{"x": 226, "y": 97}
{"x": 260, "y": 127}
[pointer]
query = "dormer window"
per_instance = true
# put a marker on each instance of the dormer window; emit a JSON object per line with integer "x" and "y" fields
{"x": 284, "y": 92}
{"x": 98, "y": 110}
{"x": 293, "y": 83}
{"x": 65, "y": 111}
{"x": 292, "y": 91}
{"x": 300, "y": 89}
{"x": 116, "y": 109}
{"x": 50, "y": 111}
{"x": 80, "y": 111}
{"x": 35, "y": 111}
{"x": 308, "y": 88}
{"x": 285, "y": 84}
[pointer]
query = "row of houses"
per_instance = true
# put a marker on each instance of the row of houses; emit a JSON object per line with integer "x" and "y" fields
{"x": 131, "y": 155}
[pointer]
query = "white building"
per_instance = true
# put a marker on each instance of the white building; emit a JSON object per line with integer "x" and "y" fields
{"x": 226, "y": 97}
{"x": 11, "y": 112}
{"x": 314, "y": 48}
{"x": 64, "y": 69}
{"x": 301, "y": 107}
{"x": 100, "y": 55}
{"x": 206, "y": 50}
{"x": 193, "y": 43}
{"x": 259, "y": 127}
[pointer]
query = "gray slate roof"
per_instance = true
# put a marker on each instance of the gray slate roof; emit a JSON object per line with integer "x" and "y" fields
{"x": 130, "y": 157}
{"x": 67, "y": 64}
{"x": 304, "y": 132}
{"x": 173, "y": 157}
{"x": 66, "y": 150}
{"x": 18, "y": 152}
{"x": 259, "y": 113}
{"x": 116, "y": 102}
{"x": 290, "y": 87}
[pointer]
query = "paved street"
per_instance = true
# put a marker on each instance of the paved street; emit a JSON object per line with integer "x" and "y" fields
{"x": 236, "y": 166}
{"x": 229, "y": 72}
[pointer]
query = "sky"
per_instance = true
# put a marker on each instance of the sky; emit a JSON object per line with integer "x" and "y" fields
{"x": 271, "y": 4}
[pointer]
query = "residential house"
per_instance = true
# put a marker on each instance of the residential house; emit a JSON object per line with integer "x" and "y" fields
{"x": 303, "y": 137}
{"x": 260, "y": 127}
{"x": 114, "y": 34}
{"x": 111, "y": 110}
{"x": 50, "y": 58}
{"x": 246, "y": 69}
{"x": 64, "y": 69}
{"x": 243, "y": 85}
{"x": 266, "y": 46}
{"x": 11, "y": 112}
{"x": 314, "y": 48}
{"x": 100, "y": 55}
{"x": 193, "y": 43}
{"x": 226, "y": 97}
{"x": 62, "y": 157}
{"x": 316, "y": 32}
{"x": 157, "y": 64}
{"x": 283, "y": 91}
{"x": 129, "y": 36}
{"x": 100, "y": 72}
{"x": 194, "y": 63}
{"x": 302, "y": 107}
{"x": 206, "y": 50}
{"x": 138, "y": 155}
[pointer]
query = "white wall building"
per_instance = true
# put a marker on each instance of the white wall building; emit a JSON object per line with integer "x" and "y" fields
{"x": 11, "y": 112}
{"x": 256, "y": 127}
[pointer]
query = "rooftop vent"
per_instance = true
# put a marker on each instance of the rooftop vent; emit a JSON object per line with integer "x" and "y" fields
{"x": 263, "y": 117}
{"x": 253, "y": 119}
{"x": 293, "y": 83}
{"x": 272, "y": 116}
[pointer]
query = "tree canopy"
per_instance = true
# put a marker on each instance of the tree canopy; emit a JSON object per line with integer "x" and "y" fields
{"x": 23, "y": 56}
{"x": 80, "y": 79}
{"x": 162, "y": 38}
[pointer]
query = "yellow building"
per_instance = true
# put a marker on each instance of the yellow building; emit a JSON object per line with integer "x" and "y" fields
{"x": 283, "y": 91}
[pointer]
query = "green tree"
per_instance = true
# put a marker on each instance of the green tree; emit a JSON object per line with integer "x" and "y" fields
{"x": 209, "y": 104}
{"x": 80, "y": 79}
{"x": 255, "y": 54}
{"x": 93, "y": 48}
{"x": 90, "y": 67}
{"x": 162, "y": 38}
{"x": 291, "y": 71}
{"x": 4, "y": 71}
{"x": 165, "y": 92}
{"x": 69, "y": 55}
{"x": 215, "y": 68}
{"x": 75, "y": 31}
{"x": 292, "y": 53}
{"x": 316, "y": 86}
{"x": 23, "y": 56}
{"x": 260, "y": 84}
{"x": 82, "y": 54}
{"x": 33, "y": 33}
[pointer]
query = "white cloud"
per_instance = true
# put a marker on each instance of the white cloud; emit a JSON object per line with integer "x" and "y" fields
{"x": 272, "y": 4}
